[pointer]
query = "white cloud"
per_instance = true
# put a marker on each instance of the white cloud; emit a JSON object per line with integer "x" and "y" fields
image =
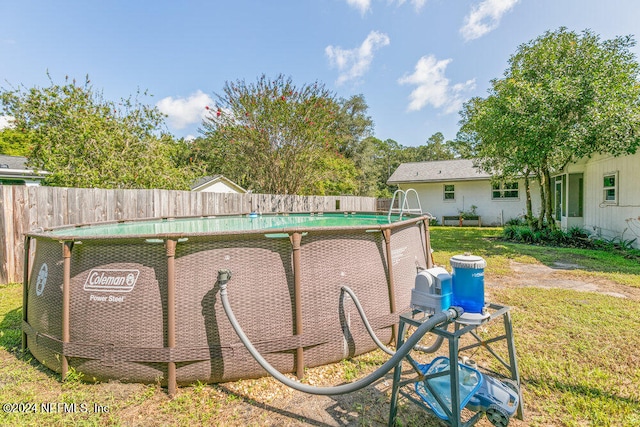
{"x": 183, "y": 112}
{"x": 433, "y": 87}
{"x": 417, "y": 4}
{"x": 354, "y": 63}
{"x": 6, "y": 122}
{"x": 362, "y": 5}
{"x": 456, "y": 98}
{"x": 485, "y": 17}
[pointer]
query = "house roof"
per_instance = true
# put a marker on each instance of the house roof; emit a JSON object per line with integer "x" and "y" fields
{"x": 13, "y": 162}
{"x": 206, "y": 181}
{"x": 437, "y": 171}
{"x": 15, "y": 168}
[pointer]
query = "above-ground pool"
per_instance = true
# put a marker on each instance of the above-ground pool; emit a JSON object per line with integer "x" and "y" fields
{"x": 138, "y": 301}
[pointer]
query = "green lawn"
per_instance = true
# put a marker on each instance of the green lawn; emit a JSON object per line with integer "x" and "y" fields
{"x": 449, "y": 241}
{"x": 577, "y": 351}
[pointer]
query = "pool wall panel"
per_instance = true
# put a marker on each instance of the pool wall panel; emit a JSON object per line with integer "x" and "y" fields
{"x": 260, "y": 293}
{"x": 329, "y": 262}
{"x": 121, "y": 320}
{"x": 45, "y": 304}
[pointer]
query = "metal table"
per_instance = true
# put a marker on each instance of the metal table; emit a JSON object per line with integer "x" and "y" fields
{"x": 413, "y": 319}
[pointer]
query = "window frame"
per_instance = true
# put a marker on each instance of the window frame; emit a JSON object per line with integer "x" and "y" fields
{"x": 452, "y": 192}
{"x": 614, "y": 188}
{"x": 503, "y": 187}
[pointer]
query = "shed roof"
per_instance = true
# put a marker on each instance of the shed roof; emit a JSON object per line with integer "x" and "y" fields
{"x": 206, "y": 181}
{"x": 437, "y": 171}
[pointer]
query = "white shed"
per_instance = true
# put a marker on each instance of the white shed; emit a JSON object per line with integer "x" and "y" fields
{"x": 217, "y": 184}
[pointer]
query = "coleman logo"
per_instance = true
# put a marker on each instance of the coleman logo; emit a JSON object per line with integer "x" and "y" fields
{"x": 42, "y": 279}
{"x": 104, "y": 280}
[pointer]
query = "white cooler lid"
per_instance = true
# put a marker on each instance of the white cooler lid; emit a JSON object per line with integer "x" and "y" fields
{"x": 467, "y": 261}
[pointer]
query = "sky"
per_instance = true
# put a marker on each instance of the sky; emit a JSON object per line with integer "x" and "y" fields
{"x": 414, "y": 61}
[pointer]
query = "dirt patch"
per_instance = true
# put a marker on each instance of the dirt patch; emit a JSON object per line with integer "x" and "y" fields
{"x": 561, "y": 275}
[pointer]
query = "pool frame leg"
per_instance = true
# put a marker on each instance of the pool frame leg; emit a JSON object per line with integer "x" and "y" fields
{"x": 66, "y": 302}
{"x": 391, "y": 282}
{"x": 25, "y": 289}
{"x": 296, "y": 239}
{"x": 171, "y": 313}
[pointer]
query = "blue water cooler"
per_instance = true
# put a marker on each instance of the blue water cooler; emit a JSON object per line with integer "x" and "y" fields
{"x": 468, "y": 282}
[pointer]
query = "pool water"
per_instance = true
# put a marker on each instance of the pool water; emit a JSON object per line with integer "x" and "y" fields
{"x": 225, "y": 224}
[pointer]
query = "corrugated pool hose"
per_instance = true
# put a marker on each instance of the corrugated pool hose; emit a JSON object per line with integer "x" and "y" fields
{"x": 431, "y": 349}
{"x": 443, "y": 317}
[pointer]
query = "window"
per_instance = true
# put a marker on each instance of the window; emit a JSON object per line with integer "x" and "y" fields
{"x": 449, "y": 192}
{"x": 610, "y": 188}
{"x": 505, "y": 190}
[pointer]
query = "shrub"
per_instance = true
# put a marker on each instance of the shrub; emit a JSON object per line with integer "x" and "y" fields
{"x": 615, "y": 243}
{"x": 515, "y": 221}
{"x": 575, "y": 237}
{"x": 577, "y": 232}
{"x": 525, "y": 234}
{"x": 509, "y": 232}
{"x": 558, "y": 237}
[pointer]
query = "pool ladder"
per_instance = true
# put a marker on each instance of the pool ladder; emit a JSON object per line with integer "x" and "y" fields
{"x": 403, "y": 203}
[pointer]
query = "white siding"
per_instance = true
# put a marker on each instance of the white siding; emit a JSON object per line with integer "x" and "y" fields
{"x": 623, "y": 219}
{"x": 219, "y": 187}
{"x": 478, "y": 193}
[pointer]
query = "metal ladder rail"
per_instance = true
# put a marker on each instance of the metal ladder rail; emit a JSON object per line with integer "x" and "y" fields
{"x": 403, "y": 202}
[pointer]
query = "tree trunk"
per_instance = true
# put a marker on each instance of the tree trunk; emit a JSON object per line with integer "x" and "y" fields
{"x": 528, "y": 195}
{"x": 543, "y": 208}
{"x": 551, "y": 222}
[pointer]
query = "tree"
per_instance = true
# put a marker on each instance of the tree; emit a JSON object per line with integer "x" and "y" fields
{"x": 15, "y": 143}
{"x": 86, "y": 141}
{"x": 275, "y": 137}
{"x": 463, "y": 146}
{"x": 436, "y": 149}
{"x": 374, "y": 160}
{"x": 354, "y": 124}
{"x": 564, "y": 96}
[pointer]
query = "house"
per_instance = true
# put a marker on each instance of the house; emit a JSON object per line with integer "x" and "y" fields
{"x": 217, "y": 184}
{"x": 448, "y": 187}
{"x": 14, "y": 171}
{"x": 601, "y": 195}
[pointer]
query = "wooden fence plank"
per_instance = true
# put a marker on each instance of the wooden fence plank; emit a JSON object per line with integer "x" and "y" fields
{"x": 73, "y": 209}
{"x": 20, "y": 223}
{"x": 88, "y": 211}
{"x": 33, "y": 207}
{"x": 6, "y": 209}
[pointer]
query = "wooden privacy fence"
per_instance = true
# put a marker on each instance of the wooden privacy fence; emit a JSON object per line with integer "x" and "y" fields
{"x": 25, "y": 208}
